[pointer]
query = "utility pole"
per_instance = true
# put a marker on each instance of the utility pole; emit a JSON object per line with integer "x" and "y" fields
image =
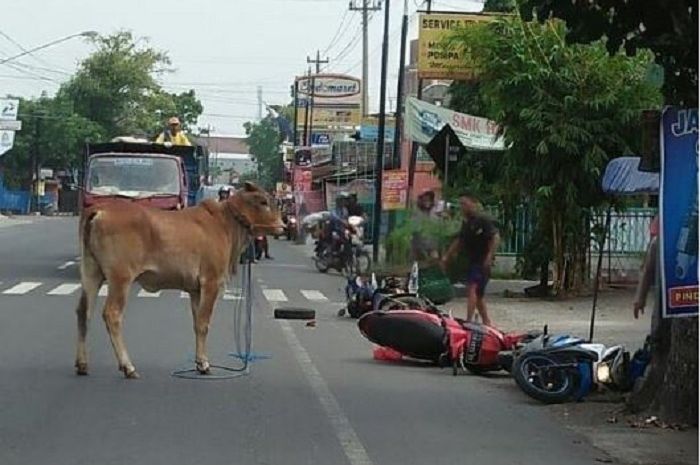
{"x": 307, "y": 107}
{"x": 396, "y": 159}
{"x": 365, "y": 6}
{"x": 260, "y": 103}
{"x": 317, "y": 61}
{"x": 379, "y": 168}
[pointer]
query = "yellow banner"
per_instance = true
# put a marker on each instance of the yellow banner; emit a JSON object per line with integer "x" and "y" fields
{"x": 436, "y": 62}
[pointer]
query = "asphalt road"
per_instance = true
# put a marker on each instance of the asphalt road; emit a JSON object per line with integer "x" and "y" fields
{"x": 319, "y": 398}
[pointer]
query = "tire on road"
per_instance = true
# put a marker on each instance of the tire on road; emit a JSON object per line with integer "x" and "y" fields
{"x": 291, "y": 313}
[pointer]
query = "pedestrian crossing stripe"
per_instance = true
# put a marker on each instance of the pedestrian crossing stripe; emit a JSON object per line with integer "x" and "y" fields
{"x": 73, "y": 288}
{"x": 274, "y": 295}
{"x": 21, "y": 288}
{"x": 64, "y": 289}
{"x": 313, "y": 295}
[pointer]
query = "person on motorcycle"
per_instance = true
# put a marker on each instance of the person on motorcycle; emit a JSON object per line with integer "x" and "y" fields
{"x": 224, "y": 193}
{"x": 354, "y": 208}
{"x": 173, "y": 134}
{"x": 338, "y": 222}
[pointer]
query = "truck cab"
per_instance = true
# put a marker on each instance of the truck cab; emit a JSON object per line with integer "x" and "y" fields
{"x": 164, "y": 177}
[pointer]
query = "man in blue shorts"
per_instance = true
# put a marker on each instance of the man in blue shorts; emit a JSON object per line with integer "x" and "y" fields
{"x": 479, "y": 237}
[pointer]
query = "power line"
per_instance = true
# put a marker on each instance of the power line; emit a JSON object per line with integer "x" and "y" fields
{"x": 338, "y": 32}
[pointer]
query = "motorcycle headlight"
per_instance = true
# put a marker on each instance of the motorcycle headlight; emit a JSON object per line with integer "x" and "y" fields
{"x": 603, "y": 373}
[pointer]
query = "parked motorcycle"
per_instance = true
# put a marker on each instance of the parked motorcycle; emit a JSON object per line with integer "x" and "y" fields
{"x": 344, "y": 252}
{"x": 561, "y": 368}
{"x": 427, "y": 334}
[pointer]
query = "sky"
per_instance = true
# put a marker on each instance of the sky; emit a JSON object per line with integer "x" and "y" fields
{"x": 223, "y": 49}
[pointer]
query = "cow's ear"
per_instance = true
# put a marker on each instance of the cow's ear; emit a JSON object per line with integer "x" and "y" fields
{"x": 250, "y": 187}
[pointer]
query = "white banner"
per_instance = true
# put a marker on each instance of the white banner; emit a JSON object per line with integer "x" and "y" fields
{"x": 7, "y": 140}
{"x": 424, "y": 120}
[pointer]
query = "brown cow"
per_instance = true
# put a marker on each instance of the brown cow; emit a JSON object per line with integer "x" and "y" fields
{"x": 193, "y": 250}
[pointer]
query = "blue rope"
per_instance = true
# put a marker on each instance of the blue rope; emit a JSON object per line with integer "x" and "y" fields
{"x": 242, "y": 353}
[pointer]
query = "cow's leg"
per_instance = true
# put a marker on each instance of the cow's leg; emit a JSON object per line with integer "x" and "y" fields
{"x": 209, "y": 293}
{"x": 113, "y": 315}
{"x": 92, "y": 279}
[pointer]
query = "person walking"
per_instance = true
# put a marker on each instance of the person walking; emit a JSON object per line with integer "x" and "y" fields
{"x": 479, "y": 237}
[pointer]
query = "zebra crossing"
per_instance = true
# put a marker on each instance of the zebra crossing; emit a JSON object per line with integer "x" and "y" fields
{"x": 68, "y": 289}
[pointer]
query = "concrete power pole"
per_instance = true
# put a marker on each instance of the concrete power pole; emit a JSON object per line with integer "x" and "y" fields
{"x": 260, "y": 103}
{"x": 365, "y": 6}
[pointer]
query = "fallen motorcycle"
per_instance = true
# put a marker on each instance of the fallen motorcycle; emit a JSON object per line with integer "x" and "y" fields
{"x": 561, "y": 368}
{"x": 429, "y": 335}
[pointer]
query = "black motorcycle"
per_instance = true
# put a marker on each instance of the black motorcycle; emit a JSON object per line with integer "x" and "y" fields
{"x": 343, "y": 252}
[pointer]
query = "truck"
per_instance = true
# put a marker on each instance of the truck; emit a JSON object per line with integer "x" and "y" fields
{"x": 167, "y": 177}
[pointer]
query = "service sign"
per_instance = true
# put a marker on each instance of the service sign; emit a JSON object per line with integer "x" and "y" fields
{"x": 679, "y": 212}
{"x": 434, "y": 60}
{"x": 7, "y": 139}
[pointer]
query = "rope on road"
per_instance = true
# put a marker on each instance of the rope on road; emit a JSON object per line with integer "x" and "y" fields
{"x": 242, "y": 335}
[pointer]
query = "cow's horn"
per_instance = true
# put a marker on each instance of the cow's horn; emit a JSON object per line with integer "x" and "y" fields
{"x": 250, "y": 187}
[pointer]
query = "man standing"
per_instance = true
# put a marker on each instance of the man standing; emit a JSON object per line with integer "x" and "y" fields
{"x": 173, "y": 134}
{"x": 479, "y": 236}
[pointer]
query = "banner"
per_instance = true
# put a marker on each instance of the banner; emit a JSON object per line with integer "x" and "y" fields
{"x": 425, "y": 120}
{"x": 679, "y": 212}
{"x": 436, "y": 62}
{"x": 326, "y": 116}
{"x": 394, "y": 189}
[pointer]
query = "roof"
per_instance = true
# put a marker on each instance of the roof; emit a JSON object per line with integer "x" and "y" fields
{"x": 622, "y": 177}
{"x": 226, "y": 144}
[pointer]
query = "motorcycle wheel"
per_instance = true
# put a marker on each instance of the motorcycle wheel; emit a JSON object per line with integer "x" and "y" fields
{"x": 321, "y": 264}
{"x": 550, "y": 386}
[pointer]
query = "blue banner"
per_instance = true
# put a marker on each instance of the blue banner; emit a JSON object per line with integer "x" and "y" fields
{"x": 371, "y": 132}
{"x": 679, "y": 212}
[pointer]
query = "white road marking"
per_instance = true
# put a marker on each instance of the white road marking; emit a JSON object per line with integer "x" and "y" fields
{"x": 314, "y": 295}
{"x": 145, "y": 293}
{"x": 274, "y": 295}
{"x": 66, "y": 265}
{"x": 64, "y": 289}
{"x": 349, "y": 441}
{"x": 184, "y": 295}
{"x": 103, "y": 290}
{"x": 22, "y": 288}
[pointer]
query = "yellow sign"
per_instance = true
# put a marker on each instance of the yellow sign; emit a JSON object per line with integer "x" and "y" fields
{"x": 436, "y": 61}
{"x": 331, "y": 117}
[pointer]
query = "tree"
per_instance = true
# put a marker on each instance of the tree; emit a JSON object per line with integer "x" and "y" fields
{"x": 52, "y": 131}
{"x": 669, "y": 28}
{"x": 263, "y": 142}
{"x": 117, "y": 87}
{"x": 565, "y": 111}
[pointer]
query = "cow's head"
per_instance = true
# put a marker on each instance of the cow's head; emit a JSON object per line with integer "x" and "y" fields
{"x": 257, "y": 209}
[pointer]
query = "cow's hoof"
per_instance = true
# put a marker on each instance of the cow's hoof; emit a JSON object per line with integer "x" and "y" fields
{"x": 81, "y": 369}
{"x": 130, "y": 373}
{"x": 203, "y": 368}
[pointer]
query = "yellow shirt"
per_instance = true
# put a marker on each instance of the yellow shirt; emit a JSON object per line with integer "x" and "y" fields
{"x": 178, "y": 139}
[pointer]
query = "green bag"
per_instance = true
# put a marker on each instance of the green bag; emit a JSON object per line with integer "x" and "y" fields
{"x": 434, "y": 285}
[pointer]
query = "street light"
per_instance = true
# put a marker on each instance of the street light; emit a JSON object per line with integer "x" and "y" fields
{"x": 88, "y": 34}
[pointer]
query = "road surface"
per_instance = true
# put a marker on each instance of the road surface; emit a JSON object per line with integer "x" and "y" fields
{"x": 318, "y": 398}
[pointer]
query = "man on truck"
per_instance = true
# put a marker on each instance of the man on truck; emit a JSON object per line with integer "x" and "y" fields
{"x": 173, "y": 134}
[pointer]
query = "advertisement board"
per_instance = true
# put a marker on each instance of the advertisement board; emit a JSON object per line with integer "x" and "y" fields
{"x": 331, "y": 89}
{"x": 338, "y": 117}
{"x": 394, "y": 189}
{"x": 425, "y": 120}
{"x": 679, "y": 212}
{"x": 436, "y": 61}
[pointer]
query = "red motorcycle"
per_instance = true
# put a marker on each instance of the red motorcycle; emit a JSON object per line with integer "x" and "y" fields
{"x": 439, "y": 338}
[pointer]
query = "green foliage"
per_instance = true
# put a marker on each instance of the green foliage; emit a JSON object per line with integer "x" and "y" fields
{"x": 263, "y": 143}
{"x": 114, "y": 92}
{"x": 442, "y": 231}
{"x": 669, "y": 29}
{"x": 565, "y": 111}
